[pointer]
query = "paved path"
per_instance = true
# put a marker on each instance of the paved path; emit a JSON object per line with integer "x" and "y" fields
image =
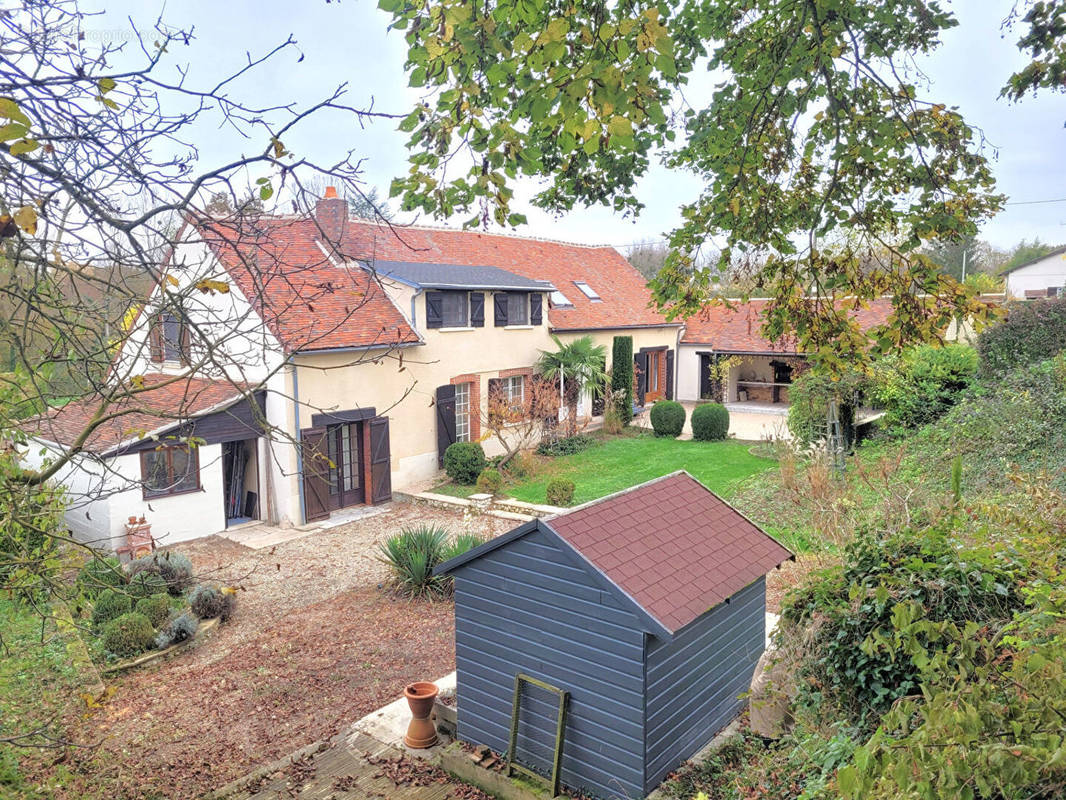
{"x": 352, "y": 765}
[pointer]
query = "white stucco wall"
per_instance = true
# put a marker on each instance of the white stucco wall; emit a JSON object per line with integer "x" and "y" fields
{"x": 228, "y": 338}
{"x": 1047, "y": 272}
{"x": 103, "y": 493}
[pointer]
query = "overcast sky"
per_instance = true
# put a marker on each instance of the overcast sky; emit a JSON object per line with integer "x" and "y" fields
{"x": 349, "y": 42}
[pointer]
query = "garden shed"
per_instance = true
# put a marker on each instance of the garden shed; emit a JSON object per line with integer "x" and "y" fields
{"x": 639, "y": 618}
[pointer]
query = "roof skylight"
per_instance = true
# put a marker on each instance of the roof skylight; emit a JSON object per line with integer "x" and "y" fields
{"x": 559, "y": 300}
{"x": 587, "y": 290}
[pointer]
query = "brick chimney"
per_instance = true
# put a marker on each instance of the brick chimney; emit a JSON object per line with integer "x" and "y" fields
{"x": 331, "y": 214}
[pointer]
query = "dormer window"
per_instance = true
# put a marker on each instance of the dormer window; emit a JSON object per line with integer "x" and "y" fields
{"x": 559, "y": 300}
{"x": 169, "y": 339}
{"x": 588, "y": 291}
{"x": 455, "y": 309}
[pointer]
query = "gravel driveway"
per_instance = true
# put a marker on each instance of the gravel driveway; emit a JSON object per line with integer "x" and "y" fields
{"x": 316, "y": 643}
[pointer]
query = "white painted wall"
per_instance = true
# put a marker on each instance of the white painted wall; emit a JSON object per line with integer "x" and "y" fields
{"x": 1048, "y": 271}
{"x": 103, "y": 493}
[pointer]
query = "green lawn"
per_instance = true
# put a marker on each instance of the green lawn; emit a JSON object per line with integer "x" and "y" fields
{"x": 618, "y": 463}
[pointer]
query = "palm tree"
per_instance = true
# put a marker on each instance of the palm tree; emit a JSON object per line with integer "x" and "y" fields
{"x": 580, "y": 366}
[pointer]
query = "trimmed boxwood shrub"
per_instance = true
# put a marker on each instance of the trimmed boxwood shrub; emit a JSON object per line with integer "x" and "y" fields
{"x": 464, "y": 461}
{"x": 99, "y": 573}
{"x": 129, "y": 635}
{"x": 560, "y": 492}
{"x": 110, "y": 604}
{"x": 710, "y": 422}
{"x": 208, "y": 602}
{"x": 490, "y": 481}
{"x": 668, "y": 418}
{"x": 145, "y": 584}
{"x": 157, "y": 608}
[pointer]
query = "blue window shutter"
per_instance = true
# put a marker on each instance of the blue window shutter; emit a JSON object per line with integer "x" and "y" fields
{"x": 536, "y": 301}
{"x": 499, "y": 307}
{"x": 477, "y": 309}
{"x": 433, "y": 309}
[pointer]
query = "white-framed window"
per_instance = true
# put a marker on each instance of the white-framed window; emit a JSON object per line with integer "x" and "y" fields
{"x": 587, "y": 290}
{"x": 514, "y": 390}
{"x": 462, "y": 412}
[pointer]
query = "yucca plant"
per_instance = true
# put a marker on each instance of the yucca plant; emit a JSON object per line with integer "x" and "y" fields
{"x": 462, "y": 543}
{"x": 412, "y": 554}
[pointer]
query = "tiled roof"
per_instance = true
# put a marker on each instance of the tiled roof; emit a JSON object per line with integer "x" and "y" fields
{"x": 625, "y": 297}
{"x": 737, "y": 329}
{"x": 168, "y": 402}
{"x": 672, "y": 545}
{"x": 304, "y": 298}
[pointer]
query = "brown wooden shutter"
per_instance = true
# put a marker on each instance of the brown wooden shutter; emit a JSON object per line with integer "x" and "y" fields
{"x": 185, "y": 347}
{"x": 380, "y": 461}
{"x": 445, "y": 420}
{"x": 315, "y": 468}
{"x": 155, "y": 338}
{"x": 536, "y": 303}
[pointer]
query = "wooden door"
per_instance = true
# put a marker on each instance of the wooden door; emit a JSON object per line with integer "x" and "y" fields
{"x": 380, "y": 460}
{"x": 346, "y": 465}
{"x": 315, "y": 468}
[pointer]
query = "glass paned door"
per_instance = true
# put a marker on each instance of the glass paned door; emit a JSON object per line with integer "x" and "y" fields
{"x": 345, "y": 471}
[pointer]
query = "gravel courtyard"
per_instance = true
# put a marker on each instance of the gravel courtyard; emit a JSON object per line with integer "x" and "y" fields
{"x": 317, "y": 642}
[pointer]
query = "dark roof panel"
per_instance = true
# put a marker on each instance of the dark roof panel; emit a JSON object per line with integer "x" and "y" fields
{"x": 457, "y": 276}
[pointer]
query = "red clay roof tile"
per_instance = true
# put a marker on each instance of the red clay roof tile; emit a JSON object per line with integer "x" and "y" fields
{"x": 675, "y": 570}
{"x": 737, "y": 329}
{"x": 166, "y": 402}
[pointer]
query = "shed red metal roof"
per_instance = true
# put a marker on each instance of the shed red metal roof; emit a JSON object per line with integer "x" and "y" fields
{"x": 166, "y": 401}
{"x": 672, "y": 545}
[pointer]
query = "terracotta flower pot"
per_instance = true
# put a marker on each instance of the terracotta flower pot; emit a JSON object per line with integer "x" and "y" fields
{"x": 421, "y": 733}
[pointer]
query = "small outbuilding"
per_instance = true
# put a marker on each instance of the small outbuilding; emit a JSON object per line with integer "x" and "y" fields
{"x": 625, "y": 630}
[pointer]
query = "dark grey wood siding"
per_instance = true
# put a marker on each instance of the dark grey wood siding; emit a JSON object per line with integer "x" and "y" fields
{"x": 693, "y": 682}
{"x": 236, "y": 423}
{"x": 529, "y": 607}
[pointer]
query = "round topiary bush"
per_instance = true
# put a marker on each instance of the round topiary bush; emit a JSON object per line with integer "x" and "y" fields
{"x": 560, "y": 492}
{"x": 99, "y": 573}
{"x": 157, "y": 608}
{"x": 129, "y": 635}
{"x": 668, "y": 418}
{"x": 464, "y": 461}
{"x": 109, "y": 605}
{"x": 208, "y": 602}
{"x": 146, "y": 584}
{"x": 490, "y": 481}
{"x": 710, "y": 422}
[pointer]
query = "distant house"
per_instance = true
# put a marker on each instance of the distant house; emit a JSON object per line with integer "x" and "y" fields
{"x": 647, "y": 607}
{"x": 755, "y": 384}
{"x": 1041, "y": 277}
{"x": 361, "y": 350}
